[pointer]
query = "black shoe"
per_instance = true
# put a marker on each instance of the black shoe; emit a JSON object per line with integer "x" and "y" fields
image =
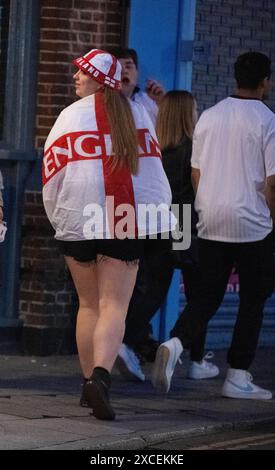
{"x": 83, "y": 399}
{"x": 96, "y": 395}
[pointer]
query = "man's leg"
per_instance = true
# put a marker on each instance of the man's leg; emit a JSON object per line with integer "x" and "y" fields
{"x": 190, "y": 274}
{"x": 254, "y": 264}
{"x": 216, "y": 263}
{"x": 200, "y": 366}
{"x": 153, "y": 281}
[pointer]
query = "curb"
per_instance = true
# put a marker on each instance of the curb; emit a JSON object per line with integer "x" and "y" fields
{"x": 148, "y": 441}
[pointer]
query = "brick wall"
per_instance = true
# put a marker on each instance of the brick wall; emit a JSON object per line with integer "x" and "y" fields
{"x": 228, "y": 28}
{"x": 69, "y": 28}
{"x": 47, "y": 297}
{"x": 48, "y": 301}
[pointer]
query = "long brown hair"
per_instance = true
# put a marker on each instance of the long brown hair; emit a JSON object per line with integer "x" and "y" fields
{"x": 123, "y": 131}
{"x": 176, "y": 118}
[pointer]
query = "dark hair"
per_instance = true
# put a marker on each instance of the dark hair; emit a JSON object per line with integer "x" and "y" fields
{"x": 124, "y": 53}
{"x": 251, "y": 68}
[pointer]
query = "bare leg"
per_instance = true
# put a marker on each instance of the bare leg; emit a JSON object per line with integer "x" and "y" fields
{"x": 116, "y": 280}
{"x": 85, "y": 280}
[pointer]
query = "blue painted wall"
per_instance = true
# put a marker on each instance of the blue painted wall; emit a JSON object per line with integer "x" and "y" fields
{"x": 153, "y": 32}
{"x": 162, "y": 32}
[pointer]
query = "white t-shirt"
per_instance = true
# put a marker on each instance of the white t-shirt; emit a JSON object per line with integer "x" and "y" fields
{"x": 234, "y": 149}
{"x": 151, "y": 107}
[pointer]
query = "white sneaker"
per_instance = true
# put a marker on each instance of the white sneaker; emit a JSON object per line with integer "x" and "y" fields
{"x": 203, "y": 369}
{"x": 167, "y": 357}
{"x": 128, "y": 364}
{"x": 238, "y": 384}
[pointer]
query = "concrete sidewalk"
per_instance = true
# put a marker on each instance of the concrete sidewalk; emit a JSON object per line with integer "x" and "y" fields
{"x": 39, "y": 406}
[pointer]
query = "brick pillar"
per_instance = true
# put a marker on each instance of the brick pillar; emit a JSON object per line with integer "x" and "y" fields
{"x": 48, "y": 301}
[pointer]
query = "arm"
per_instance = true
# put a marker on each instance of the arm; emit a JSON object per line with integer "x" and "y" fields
{"x": 270, "y": 196}
{"x": 195, "y": 178}
{"x": 196, "y": 155}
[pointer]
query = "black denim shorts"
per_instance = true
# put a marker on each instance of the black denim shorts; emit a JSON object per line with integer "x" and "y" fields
{"x": 125, "y": 250}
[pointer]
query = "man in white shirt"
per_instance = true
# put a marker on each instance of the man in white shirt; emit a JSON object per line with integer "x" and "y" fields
{"x": 233, "y": 174}
{"x": 154, "y": 92}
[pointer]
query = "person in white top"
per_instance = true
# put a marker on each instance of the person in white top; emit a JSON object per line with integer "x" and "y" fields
{"x": 154, "y": 92}
{"x": 233, "y": 174}
{"x": 101, "y": 164}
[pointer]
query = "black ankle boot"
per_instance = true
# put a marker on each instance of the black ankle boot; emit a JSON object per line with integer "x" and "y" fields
{"x": 83, "y": 399}
{"x": 96, "y": 395}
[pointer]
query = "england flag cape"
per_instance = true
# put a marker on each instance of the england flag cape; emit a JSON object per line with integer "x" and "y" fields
{"x": 83, "y": 198}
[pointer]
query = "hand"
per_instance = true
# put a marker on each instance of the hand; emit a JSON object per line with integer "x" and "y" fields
{"x": 155, "y": 90}
{"x": 1, "y": 214}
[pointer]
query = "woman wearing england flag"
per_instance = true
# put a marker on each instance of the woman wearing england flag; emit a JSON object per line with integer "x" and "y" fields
{"x": 101, "y": 169}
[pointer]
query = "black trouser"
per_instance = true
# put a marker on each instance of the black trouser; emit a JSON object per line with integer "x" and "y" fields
{"x": 254, "y": 264}
{"x": 153, "y": 281}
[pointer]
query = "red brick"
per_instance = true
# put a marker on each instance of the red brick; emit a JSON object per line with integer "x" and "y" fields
{"x": 54, "y": 56}
{"x": 39, "y": 320}
{"x": 24, "y": 306}
{"x": 86, "y": 27}
{"x": 63, "y": 35}
{"x": 35, "y": 209}
{"x": 58, "y": 13}
{"x": 58, "y": 3}
{"x": 56, "y": 78}
{"x": 86, "y": 15}
{"x": 29, "y": 197}
{"x": 25, "y": 284}
{"x": 64, "y": 321}
{"x": 54, "y": 45}
{"x": 47, "y": 99}
{"x": 56, "y": 68}
{"x": 84, "y": 37}
{"x": 113, "y": 18}
{"x": 114, "y": 28}
{"x": 48, "y": 111}
{"x": 45, "y": 122}
{"x": 87, "y": 4}
{"x": 55, "y": 23}
{"x": 112, "y": 38}
{"x": 38, "y": 197}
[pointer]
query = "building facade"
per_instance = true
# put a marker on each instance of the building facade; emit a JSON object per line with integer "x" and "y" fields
{"x": 196, "y": 44}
